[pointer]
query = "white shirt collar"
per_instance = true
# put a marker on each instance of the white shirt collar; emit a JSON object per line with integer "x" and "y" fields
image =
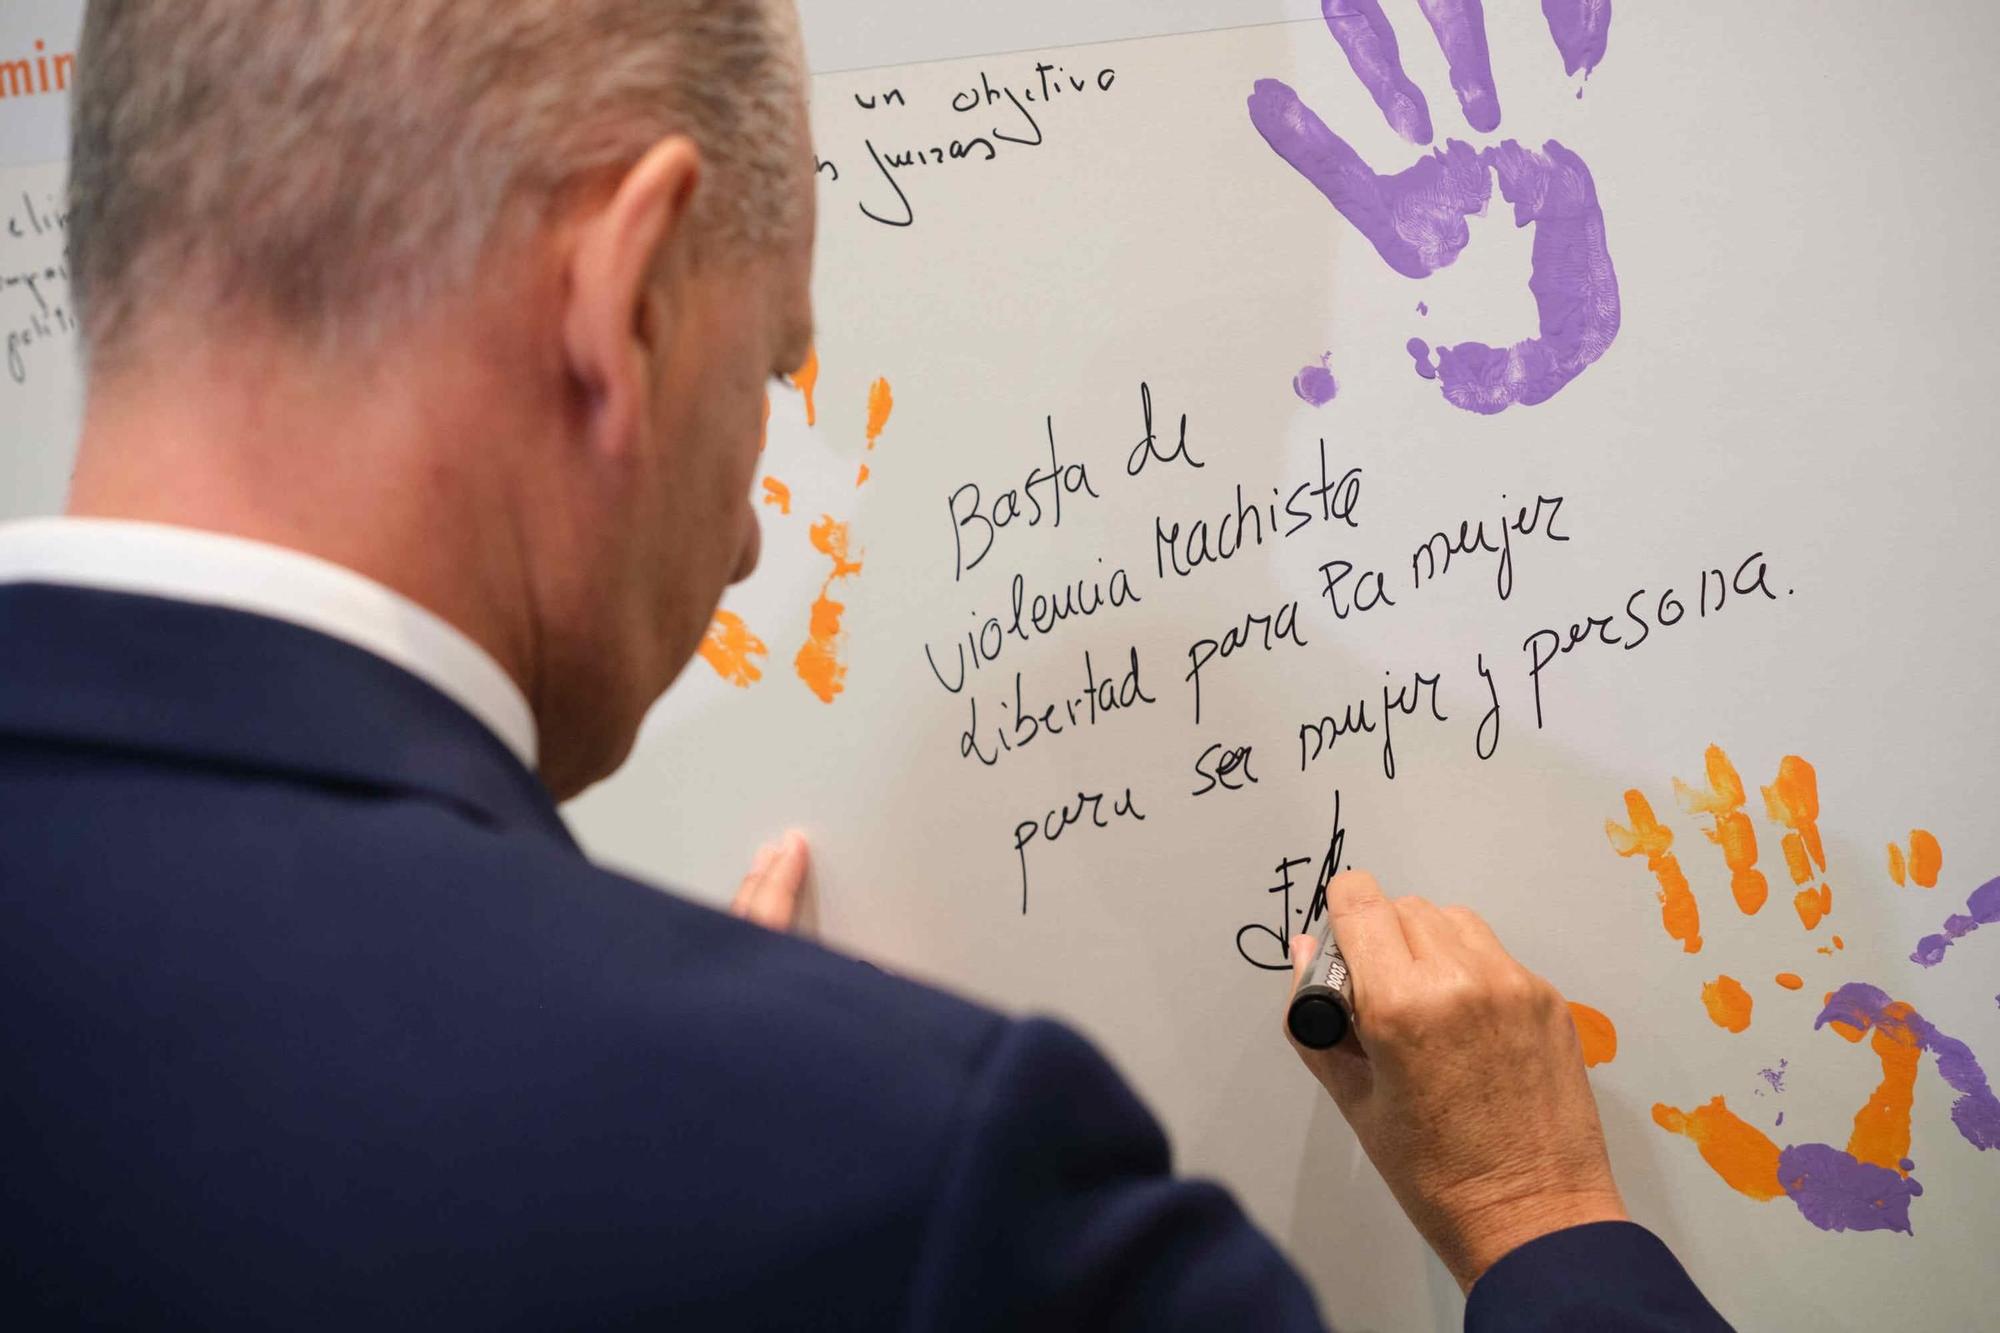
{"x": 188, "y": 565}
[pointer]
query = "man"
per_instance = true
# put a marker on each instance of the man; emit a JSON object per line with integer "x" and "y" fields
{"x": 427, "y": 347}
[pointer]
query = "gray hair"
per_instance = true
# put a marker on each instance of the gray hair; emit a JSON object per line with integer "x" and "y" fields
{"x": 336, "y": 165}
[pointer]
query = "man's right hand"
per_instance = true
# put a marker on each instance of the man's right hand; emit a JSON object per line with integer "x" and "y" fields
{"x": 1467, "y": 1085}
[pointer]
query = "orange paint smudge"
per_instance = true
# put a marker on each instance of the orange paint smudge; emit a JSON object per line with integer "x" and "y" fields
{"x": 1653, "y": 840}
{"x": 861, "y": 479}
{"x": 819, "y": 662}
{"x": 733, "y": 650}
{"x": 1739, "y": 1152}
{"x": 1896, "y": 865}
{"x": 1733, "y": 831}
{"x": 1882, "y": 1127}
{"x": 1597, "y": 1033}
{"x": 778, "y": 495}
{"x": 1926, "y": 858}
{"x": 1794, "y": 848}
{"x": 1728, "y": 1004}
{"x": 765, "y": 442}
{"x": 806, "y": 380}
{"x": 1790, "y": 980}
{"x": 881, "y": 402}
{"x": 1793, "y": 800}
{"x": 1813, "y": 905}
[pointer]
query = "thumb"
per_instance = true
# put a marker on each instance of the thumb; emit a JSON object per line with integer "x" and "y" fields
{"x": 1304, "y": 949}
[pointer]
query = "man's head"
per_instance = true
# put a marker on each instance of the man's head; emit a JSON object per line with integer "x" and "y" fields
{"x": 479, "y": 297}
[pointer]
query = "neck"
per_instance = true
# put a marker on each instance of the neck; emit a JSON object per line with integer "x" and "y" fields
{"x": 402, "y": 478}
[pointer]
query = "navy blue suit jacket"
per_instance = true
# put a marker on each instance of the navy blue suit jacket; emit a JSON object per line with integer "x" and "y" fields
{"x": 315, "y": 1017}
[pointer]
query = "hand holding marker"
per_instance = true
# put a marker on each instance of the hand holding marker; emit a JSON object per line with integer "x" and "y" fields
{"x": 1464, "y": 1047}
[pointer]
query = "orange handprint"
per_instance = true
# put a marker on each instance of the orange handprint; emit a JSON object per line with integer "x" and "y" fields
{"x": 1868, "y": 1184}
{"x": 1732, "y": 832}
{"x": 730, "y": 648}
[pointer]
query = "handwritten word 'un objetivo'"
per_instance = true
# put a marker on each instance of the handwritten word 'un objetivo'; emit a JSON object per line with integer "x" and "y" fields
{"x": 1002, "y": 117}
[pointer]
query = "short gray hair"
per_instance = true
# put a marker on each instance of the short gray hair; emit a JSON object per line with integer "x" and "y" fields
{"x": 335, "y": 165}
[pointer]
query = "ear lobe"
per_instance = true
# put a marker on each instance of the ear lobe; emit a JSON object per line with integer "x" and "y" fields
{"x": 622, "y": 291}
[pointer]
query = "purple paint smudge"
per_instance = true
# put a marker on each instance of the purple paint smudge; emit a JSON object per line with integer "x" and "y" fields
{"x": 1370, "y": 43}
{"x": 1775, "y": 1077}
{"x": 1423, "y": 308}
{"x": 1416, "y": 220}
{"x": 1976, "y": 1111}
{"x": 1835, "y": 1192}
{"x": 1781, "y": 1120}
{"x": 1460, "y": 26}
{"x": 1582, "y": 30}
{"x": 1981, "y": 909}
{"x": 1316, "y": 384}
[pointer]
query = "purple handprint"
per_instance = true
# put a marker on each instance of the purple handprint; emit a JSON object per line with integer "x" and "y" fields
{"x": 1416, "y": 219}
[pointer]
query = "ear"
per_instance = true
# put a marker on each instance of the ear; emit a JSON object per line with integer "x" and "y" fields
{"x": 621, "y": 295}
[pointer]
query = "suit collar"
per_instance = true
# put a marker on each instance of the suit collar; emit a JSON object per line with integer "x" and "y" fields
{"x": 223, "y": 688}
{"x": 219, "y": 569}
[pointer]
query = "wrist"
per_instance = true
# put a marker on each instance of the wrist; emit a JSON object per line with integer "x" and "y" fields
{"x": 1486, "y": 1234}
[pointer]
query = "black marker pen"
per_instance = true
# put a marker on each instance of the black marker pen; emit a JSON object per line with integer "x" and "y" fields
{"x": 1322, "y": 1009}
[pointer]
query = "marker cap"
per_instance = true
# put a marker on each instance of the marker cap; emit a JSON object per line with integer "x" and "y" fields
{"x": 1317, "y": 1019}
{"x": 1322, "y": 1008}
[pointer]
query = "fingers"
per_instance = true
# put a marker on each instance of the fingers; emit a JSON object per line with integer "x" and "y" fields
{"x": 1368, "y": 927}
{"x": 1461, "y": 35}
{"x": 769, "y": 894}
{"x": 747, "y": 890}
{"x": 1581, "y": 31}
{"x": 1474, "y": 932}
{"x": 1431, "y": 934}
{"x": 1364, "y": 33}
